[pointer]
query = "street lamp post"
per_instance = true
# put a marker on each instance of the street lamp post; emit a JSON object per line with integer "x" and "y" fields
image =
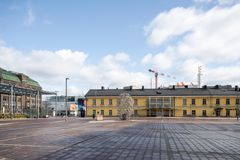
{"x": 237, "y": 110}
{"x": 66, "y": 98}
{"x": 56, "y": 107}
{"x": 38, "y": 104}
{"x": 11, "y": 101}
{"x": 162, "y": 108}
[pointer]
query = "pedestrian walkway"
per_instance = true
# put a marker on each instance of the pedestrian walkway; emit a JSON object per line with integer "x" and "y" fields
{"x": 154, "y": 140}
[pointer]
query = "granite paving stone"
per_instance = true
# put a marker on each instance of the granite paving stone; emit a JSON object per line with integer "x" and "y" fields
{"x": 127, "y": 140}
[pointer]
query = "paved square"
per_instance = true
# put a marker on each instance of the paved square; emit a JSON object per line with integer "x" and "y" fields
{"x": 130, "y": 140}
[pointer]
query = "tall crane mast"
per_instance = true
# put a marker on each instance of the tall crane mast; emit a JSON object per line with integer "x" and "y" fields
{"x": 156, "y": 76}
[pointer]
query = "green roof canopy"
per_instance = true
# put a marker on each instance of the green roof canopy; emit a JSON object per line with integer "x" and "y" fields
{"x": 32, "y": 82}
{"x": 11, "y": 76}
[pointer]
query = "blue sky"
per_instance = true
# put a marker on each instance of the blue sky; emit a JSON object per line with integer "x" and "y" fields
{"x": 96, "y": 27}
{"x": 118, "y": 38}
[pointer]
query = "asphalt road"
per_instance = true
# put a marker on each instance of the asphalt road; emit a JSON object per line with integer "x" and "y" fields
{"x": 110, "y": 139}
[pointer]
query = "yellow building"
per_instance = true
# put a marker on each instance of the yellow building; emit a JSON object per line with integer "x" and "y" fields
{"x": 214, "y": 101}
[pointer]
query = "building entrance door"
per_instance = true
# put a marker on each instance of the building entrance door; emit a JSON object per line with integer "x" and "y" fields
{"x": 82, "y": 113}
{"x": 166, "y": 113}
{"x": 228, "y": 113}
{"x": 153, "y": 113}
{"x": 218, "y": 112}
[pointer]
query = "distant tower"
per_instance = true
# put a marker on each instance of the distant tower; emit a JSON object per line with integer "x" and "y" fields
{"x": 199, "y": 76}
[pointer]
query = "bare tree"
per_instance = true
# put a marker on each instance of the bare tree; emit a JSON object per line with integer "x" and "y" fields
{"x": 125, "y": 108}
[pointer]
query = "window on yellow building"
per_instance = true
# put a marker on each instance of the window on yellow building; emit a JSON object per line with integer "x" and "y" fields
{"x": 193, "y": 101}
{"x": 204, "y": 102}
{"x": 217, "y": 101}
{"x": 237, "y": 101}
{"x": 110, "y": 101}
{"x": 184, "y": 102}
{"x": 135, "y": 102}
{"x": 94, "y": 102}
{"x": 227, "y": 101}
{"x": 102, "y": 101}
{"x": 184, "y": 112}
{"x": 102, "y": 112}
{"x": 193, "y": 113}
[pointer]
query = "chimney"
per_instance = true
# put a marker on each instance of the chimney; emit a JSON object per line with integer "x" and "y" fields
{"x": 173, "y": 87}
{"x": 102, "y": 88}
{"x": 158, "y": 92}
{"x": 236, "y": 88}
{"x": 142, "y": 87}
{"x": 204, "y": 87}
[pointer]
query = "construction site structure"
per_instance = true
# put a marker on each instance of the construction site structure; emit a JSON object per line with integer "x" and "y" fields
{"x": 156, "y": 74}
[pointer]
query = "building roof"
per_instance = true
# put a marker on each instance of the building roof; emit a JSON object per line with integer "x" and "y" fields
{"x": 15, "y": 77}
{"x": 31, "y": 82}
{"x": 10, "y": 76}
{"x": 205, "y": 91}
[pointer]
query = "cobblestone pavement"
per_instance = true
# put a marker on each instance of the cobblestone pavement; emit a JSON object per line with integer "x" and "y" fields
{"x": 136, "y": 140}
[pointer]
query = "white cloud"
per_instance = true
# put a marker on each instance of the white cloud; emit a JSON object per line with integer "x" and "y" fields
{"x": 228, "y": 2}
{"x": 122, "y": 57}
{"x": 220, "y": 2}
{"x": 166, "y": 25}
{"x": 51, "y": 68}
{"x": 208, "y": 38}
{"x": 203, "y": 1}
{"x": 160, "y": 61}
{"x": 30, "y": 19}
{"x": 147, "y": 59}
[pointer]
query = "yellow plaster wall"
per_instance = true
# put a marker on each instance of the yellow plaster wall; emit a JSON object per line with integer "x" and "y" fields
{"x": 142, "y": 107}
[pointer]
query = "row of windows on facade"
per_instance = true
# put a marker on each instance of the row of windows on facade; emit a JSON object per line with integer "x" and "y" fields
{"x": 204, "y": 113}
{"x": 110, "y": 102}
{"x": 102, "y": 112}
{"x": 5, "y": 99}
{"x": 204, "y": 101}
{"x": 109, "y": 112}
